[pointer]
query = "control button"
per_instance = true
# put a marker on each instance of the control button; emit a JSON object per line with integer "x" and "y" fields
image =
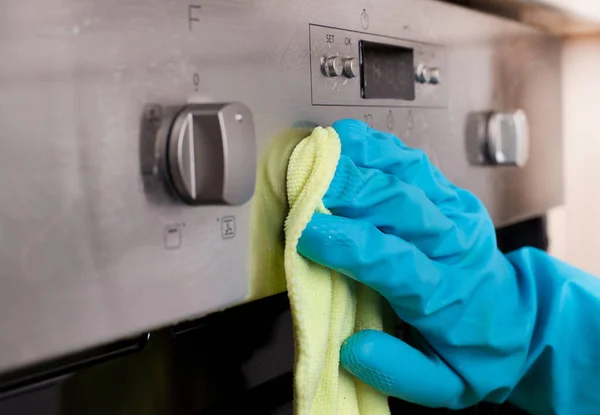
{"x": 422, "y": 74}
{"x": 350, "y": 67}
{"x": 434, "y": 75}
{"x": 211, "y": 154}
{"x": 499, "y": 138}
{"x": 333, "y": 66}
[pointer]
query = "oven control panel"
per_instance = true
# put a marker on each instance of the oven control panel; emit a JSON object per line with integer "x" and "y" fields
{"x": 350, "y": 68}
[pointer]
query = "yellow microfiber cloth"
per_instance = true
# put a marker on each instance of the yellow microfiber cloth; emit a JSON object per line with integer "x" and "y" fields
{"x": 269, "y": 210}
{"x": 327, "y": 307}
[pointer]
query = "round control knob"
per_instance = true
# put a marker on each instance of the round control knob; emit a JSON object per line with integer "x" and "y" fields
{"x": 498, "y": 138}
{"x": 211, "y": 154}
{"x": 350, "y": 67}
{"x": 333, "y": 66}
{"x": 508, "y": 138}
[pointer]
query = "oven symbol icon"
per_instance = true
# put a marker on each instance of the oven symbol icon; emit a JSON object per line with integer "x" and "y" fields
{"x": 228, "y": 227}
{"x": 364, "y": 19}
{"x": 172, "y": 236}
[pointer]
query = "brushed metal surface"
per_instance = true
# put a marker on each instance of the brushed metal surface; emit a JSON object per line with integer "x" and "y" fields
{"x": 91, "y": 252}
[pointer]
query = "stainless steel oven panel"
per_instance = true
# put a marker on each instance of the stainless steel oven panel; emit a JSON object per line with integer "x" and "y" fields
{"x": 89, "y": 252}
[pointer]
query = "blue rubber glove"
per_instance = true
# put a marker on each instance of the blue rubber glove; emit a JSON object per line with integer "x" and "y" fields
{"x": 523, "y": 327}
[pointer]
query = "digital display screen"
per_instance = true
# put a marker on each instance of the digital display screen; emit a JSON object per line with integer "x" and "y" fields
{"x": 386, "y": 71}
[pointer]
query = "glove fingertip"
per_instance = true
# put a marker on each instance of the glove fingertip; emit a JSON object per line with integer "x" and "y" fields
{"x": 397, "y": 369}
{"x": 357, "y": 357}
{"x": 324, "y": 240}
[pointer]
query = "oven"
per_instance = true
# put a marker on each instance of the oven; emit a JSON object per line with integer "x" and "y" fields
{"x": 126, "y": 237}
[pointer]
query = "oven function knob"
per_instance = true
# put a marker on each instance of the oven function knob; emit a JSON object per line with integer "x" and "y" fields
{"x": 350, "y": 67}
{"x": 508, "y": 138}
{"x": 211, "y": 154}
{"x": 332, "y": 66}
{"x": 499, "y": 138}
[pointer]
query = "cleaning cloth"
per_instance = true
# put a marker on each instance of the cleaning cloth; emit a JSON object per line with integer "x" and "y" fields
{"x": 327, "y": 307}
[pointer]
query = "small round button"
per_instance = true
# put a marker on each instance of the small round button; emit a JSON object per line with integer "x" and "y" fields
{"x": 434, "y": 75}
{"x": 422, "y": 74}
{"x": 333, "y": 66}
{"x": 350, "y": 67}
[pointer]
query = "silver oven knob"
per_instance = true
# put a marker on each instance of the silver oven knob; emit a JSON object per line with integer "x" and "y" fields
{"x": 422, "y": 74}
{"x": 434, "y": 75}
{"x": 350, "y": 67}
{"x": 211, "y": 154}
{"x": 498, "y": 138}
{"x": 332, "y": 66}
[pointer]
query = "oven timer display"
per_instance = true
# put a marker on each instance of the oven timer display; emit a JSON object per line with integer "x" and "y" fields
{"x": 387, "y": 71}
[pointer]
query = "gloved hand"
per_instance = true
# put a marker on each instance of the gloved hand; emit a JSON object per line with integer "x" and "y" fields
{"x": 523, "y": 327}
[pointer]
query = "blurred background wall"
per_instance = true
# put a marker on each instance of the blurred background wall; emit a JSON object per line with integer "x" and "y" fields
{"x": 575, "y": 228}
